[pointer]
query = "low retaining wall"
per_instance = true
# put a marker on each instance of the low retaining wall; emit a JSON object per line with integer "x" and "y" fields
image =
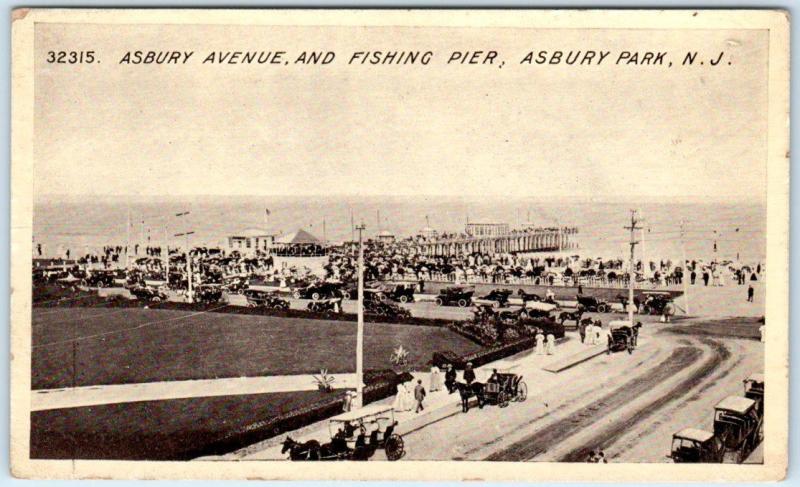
{"x": 561, "y": 292}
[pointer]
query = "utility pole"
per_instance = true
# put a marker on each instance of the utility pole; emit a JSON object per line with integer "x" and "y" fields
{"x": 128, "y": 243}
{"x": 166, "y": 256}
{"x": 352, "y": 227}
{"x": 359, "y": 399}
{"x": 685, "y": 270}
{"x": 631, "y": 271}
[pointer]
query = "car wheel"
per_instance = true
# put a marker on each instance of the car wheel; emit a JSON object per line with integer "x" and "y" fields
{"x": 462, "y": 303}
{"x": 523, "y": 315}
{"x": 315, "y": 296}
{"x": 439, "y": 302}
{"x": 240, "y": 291}
{"x": 156, "y": 299}
{"x": 404, "y": 299}
{"x": 346, "y": 295}
{"x": 495, "y": 304}
{"x": 602, "y": 308}
{"x": 296, "y": 295}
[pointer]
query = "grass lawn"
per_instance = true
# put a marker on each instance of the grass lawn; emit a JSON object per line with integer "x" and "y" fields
{"x": 175, "y": 429}
{"x": 91, "y": 346}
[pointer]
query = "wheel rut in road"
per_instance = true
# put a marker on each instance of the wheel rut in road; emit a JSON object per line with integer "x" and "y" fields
{"x": 720, "y": 354}
{"x": 539, "y": 442}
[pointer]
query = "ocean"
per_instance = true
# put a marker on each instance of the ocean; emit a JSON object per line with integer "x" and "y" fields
{"x": 84, "y": 224}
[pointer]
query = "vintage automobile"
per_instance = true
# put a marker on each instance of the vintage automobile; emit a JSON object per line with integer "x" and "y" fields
{"x": 754, "y": 389}
{"x": 355, "y": 435}
{"x": 538, "y": 309}
{"x": 399, "y": 292}
{"x": 235, "y": 285}
{"x": 385, "y": 308}
{"x": 98, "y": 279}
{"x": 455, "y": 296}
{"x": 592, "y": 304}
{"x": 317, "y": 290}
{"x": 497, "y": 298}
{"x": 655, "y": 302}
{"x": 330, "y": 305}
{"x": 692, "y": 445}
{"x": 738, "y": 425}
{"x": 207, "y": 293}
{"x": 148, "y": 293}
{"x": 264, "y": 299}
{"x": 525, "y": 296}
{"x": 502, "y": 388}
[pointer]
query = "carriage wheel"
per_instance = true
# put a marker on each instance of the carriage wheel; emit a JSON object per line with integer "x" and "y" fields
{"x": 522, "y": 391}
{"x": 502, "y": 399}
{"x": 404, "y": 299}
{"x": 395, "y": 448}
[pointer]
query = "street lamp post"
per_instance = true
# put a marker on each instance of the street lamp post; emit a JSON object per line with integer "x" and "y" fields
{"x": 359, "y": 399}
{"x": 188, "y": 263}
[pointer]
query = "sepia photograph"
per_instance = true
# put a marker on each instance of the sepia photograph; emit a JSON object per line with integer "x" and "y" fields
{"x": 495, "y": 245}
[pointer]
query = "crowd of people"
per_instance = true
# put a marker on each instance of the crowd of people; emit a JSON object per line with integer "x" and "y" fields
{"x": 398, "y": 261}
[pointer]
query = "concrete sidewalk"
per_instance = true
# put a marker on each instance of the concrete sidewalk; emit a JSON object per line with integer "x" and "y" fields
{"x": 157, "y": 391}
{"x": 438, "y": 405}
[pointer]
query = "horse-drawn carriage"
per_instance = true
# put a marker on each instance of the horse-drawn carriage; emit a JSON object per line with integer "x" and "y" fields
{"x": 264, "y": 299}
{"x": 622, "y": 336}
{"x": 655, "y": 302}
{"x": 502, "y": 388}
{"x": 355, "y": 435}
{"x": 692, "y": 445}
{"x": 738, "y": 424}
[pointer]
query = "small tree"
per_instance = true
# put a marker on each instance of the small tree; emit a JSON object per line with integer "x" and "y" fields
{"x": 324, "y": 381}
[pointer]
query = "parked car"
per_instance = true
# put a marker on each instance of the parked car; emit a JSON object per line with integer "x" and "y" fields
{"x": 455, "y": 296}
{"x": 592, "y": 304}
{"x": 400, "y": 292}
{"x": 148, "y": 293}
{"x": 265, "y": 299}
{"x": 207, "y": 293}
{"x": 317, "y": 291}
{"x": 98, "y": 279}
{"x": 497, "y": 298}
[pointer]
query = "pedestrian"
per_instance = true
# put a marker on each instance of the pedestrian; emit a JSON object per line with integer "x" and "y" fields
{"x": 580, "y": 289}
{"x": 469, "y": 374}
{"x": 402, "y": 399}
{"x": 551, "y": 344}
{"x": 599, "y": 334}
{"x": 750, "y": 293}
{"x": 693, "y": 276}
{"x": 539, "y": 343}
{"x": 436, "y": 379}
{"x": 590, "y": 334}
{"x": 592, "y": 457}
{"x": 419, "y": 395}
{"x": 601, "y": 457}
{"x": 348, "y": 401}
{"x": 450, "y": 378}
{"x": 705, "y": 278}
{"x": 582, "y": 331}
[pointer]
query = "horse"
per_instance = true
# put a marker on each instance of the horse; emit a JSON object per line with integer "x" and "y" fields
{"x": 466, "y": 391}
{"x": 571, "y": 315}
{"x": 309, "y": 450}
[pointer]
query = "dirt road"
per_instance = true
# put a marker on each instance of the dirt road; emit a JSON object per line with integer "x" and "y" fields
{"x": 626, "y": 405}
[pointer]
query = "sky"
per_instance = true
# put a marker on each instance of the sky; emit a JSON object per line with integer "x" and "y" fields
{"x": 588, "y": 132}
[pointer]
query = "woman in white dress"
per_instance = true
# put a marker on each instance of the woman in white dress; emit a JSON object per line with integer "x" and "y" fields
{"x": 401, "y": 400}
{"x": 539, "y": 344}
{"x": 551, "y": 344}
{"x": 436, "y": 379}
